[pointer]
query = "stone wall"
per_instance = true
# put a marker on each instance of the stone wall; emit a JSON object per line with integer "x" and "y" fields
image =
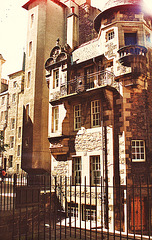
{"x": 86, "y": 30}
{"x": 88, "y": 140}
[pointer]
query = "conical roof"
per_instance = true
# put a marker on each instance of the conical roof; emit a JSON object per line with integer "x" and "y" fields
{"x": 112, "y": 4}
{"x": 115, "y": 3}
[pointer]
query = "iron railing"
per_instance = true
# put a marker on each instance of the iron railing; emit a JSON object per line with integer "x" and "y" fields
{"x": 89, "y": 81}
{"x": 46, "y": 207}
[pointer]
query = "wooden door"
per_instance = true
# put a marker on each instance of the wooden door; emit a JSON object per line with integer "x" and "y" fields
{"x": 138, "y": 213}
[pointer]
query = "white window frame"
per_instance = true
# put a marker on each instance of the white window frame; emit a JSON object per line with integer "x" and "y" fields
{"x": 110, "y": 35}
{"x": 90, "y": 77}
{"x": 55, "y": 119}
{"x": 86, "y": 213}
{"x": 138, "y": 153}
{"x": 95, "y": 113}
{"x": 77, "y": 170}
{"x": 77, "y": 117}
{"x": 95, "y": 170}
{"x": 56, "y": 78}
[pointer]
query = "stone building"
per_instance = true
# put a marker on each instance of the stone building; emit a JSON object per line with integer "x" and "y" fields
{"x": 33, "y": 145}
{"x": 100, "y": 107}
{"x": 3, "y": 119}
{"x": 47, "y": 21}
{"x": 96, "y": 111}
{"x": 11, "y": 111}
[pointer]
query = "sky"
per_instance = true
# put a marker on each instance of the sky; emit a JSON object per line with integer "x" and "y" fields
{"x": 13, "y": 31}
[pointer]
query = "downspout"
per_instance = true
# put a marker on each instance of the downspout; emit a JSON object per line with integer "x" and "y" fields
{"x": 105, "y": 169}
{"x": 3, "y": 157}
{"x": 106, "y": 178}
{"x": 16, "y": 124}
{"x": 96, "y": 70}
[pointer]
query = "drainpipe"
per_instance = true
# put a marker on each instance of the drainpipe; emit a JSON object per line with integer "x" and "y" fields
{"x": 4, "y": 129}
{"x": 105, "y": 168}
{"x": 96, "y": 84}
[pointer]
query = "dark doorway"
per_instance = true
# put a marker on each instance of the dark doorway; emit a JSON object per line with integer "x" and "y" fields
{"x": 5, "y": 162}
{"x": 130, "y": 38}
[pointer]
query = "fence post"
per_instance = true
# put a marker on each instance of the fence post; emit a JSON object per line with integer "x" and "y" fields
{"x": 14, "y": 192}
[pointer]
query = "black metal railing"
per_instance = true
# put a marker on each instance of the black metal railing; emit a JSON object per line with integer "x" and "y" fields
{"x": 46, "y": 207}
{"x": 133, "y": 56}
{"x": 89, "y": 81}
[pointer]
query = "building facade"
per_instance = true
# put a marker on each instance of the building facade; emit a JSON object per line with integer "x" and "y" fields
{"x": 42, "y": 32}
{"x": 85, "y": 112}
{"x": 100, "y": 108}
{"x": 12, "y": 121}
{"x": 47, "y": 21}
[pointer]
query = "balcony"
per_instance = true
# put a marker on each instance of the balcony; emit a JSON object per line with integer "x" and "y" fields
{"x": 86, "y": 82}
{"x": 133, "y": 56}
{"x": 59, "y": 147}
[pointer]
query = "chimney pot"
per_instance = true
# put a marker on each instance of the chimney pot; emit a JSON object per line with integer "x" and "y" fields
{"x": 72, "y": 9}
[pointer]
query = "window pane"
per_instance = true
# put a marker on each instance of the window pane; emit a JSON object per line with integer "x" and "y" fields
{"x": 77, "y": 117}
{"x": 56, "y": 78}
{"x": 55, "y": 119}
{"x": 95, "y": 169}
{"x": 77, "y": 170}
{"x": 138, "y": 150}
{"x": 95, "y": 113}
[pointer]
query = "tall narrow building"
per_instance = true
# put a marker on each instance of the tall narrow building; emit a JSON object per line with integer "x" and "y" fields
{"x": 41, "y": 33}
{"x": 48, "y": 21}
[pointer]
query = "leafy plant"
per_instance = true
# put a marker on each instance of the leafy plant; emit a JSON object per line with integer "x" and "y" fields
{"x": 3, "y": 145}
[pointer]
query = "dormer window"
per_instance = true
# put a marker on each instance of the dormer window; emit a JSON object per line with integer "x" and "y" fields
{"x": 110, "y": 35}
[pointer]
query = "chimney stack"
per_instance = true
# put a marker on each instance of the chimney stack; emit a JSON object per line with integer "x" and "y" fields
{"x": 2, "y": 60}
{"x": 72, "y": 29}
